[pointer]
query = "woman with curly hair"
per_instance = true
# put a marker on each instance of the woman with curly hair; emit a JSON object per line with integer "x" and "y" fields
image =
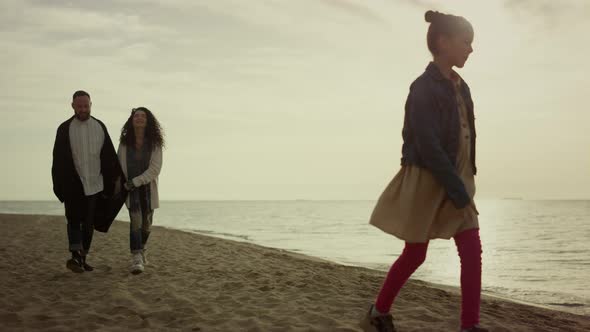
{"x": 140, "y": 155}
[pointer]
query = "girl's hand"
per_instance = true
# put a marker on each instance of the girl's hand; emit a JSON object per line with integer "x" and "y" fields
{"x": 469, "y": 212}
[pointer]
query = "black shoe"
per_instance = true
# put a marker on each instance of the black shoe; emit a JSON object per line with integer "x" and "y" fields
{"x": 475, "y": 328}
{"x": 75, "y": 264}
{"x": 382, "y": 323}
{"x": 86, "y": 266}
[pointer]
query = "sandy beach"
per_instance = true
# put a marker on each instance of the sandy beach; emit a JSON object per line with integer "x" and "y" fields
{"x": 200, "y": 283}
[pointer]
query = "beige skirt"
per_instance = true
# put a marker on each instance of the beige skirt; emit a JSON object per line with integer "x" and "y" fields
{"x": 415, "y": 208}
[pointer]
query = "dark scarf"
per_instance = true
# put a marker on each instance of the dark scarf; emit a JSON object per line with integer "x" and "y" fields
{"x": 138, "y": 162}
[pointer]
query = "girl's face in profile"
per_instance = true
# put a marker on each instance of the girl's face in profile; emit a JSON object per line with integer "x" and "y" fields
{"x": 457, "y": 48}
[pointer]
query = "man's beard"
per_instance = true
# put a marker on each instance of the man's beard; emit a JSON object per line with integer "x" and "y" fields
{"x": 83, "y": 117}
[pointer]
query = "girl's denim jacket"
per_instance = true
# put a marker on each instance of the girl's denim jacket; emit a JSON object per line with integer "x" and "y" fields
{"x": 431, "y": 130}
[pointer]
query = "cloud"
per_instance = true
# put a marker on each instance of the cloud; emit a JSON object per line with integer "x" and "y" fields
{"x": 549, "y": 13}
{"x": 183, "y": 35}
{"x": 357, "y": 9}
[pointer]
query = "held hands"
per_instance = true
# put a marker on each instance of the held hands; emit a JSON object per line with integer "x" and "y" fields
{"x": 129, "y": 186}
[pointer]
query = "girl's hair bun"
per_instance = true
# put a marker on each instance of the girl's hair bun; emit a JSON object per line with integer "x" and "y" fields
{"x": 431, "y": 16}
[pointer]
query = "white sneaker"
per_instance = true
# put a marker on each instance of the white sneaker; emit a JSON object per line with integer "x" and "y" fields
{"x": 144, "y": 256}
{"x": 137, "y": 264}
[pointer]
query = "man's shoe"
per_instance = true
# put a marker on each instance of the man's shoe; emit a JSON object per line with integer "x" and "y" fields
{"x": 87, "y": 267}
{"x": 75, "y": 264}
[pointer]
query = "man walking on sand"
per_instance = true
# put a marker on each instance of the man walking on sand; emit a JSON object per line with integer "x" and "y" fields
{"x": 86, "y": 174}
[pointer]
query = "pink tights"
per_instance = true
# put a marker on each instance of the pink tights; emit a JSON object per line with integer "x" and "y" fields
{"x": 414, "y": 254}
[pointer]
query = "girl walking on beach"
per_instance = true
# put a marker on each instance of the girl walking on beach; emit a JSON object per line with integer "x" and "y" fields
{"x": 140, "y": 155}
{"x": 432, "y": 195}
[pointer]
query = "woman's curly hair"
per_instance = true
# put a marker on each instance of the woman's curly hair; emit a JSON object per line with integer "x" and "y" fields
{"x": 154, "y": 135}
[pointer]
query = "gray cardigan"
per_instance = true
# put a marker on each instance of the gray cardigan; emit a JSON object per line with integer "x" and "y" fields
{"x": 149, "y": 176}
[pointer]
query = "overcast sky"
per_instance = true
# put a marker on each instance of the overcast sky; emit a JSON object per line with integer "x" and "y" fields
{"x": 285, "y": 99}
